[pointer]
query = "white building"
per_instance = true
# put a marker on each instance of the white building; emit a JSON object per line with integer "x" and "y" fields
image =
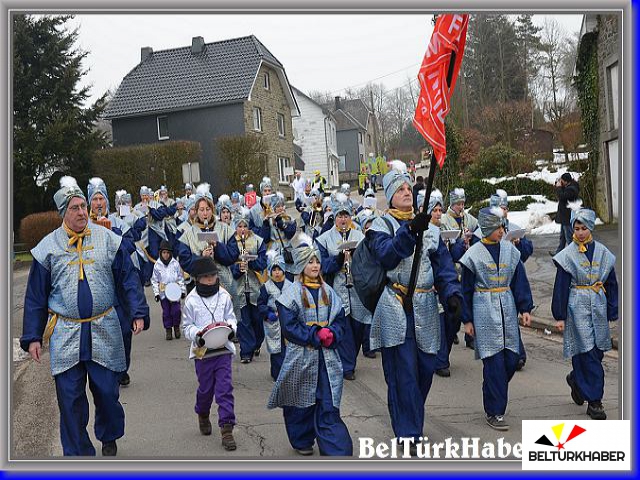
{"x": 315, "y": 132}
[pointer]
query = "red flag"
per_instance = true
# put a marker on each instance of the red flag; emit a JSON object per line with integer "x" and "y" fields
{"x": 437, "y": 78}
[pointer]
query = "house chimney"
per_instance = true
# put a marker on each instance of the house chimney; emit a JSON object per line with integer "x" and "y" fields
{"x": 338, "y": 106}
{"x": 197, "y": 45}
{"x": 145, "y": 52}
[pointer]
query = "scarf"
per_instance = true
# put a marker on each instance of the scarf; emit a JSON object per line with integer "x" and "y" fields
{"x": 197, "y": 223}
{"x": 76, "y": 238}
{"x": 311, "y": 282}
{"x": 400, "y": 214}
{"x": 486, "y": 241}
{"x": 582, "y": 246}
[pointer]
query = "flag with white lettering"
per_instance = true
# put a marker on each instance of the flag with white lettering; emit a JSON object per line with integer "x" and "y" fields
{"x": 437, "y": 77}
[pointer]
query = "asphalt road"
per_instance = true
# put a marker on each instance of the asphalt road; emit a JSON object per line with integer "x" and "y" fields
{"x": 161, "y": 423}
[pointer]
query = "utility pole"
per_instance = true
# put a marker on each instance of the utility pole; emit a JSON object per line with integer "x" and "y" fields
{"x": 375, "y": 124}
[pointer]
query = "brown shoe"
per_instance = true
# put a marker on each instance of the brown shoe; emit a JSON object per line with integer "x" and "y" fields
{"x": 169, "y": 335}
{"x": 228, "y": 442}
{"x": 204, "y": 424}
{"x": 176, "y": 331}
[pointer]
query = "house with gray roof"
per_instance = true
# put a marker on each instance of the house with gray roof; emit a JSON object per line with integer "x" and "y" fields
{"x": 204, "y": 91}
{"x": 356, "y": 134}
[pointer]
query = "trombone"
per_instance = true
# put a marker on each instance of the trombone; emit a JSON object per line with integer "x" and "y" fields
{"x": 347, "y": 260}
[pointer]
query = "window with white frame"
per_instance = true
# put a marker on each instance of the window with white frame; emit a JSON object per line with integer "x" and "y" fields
{"x": 163, "y": 127}
{"x": 284, "y": 166}
{"x": 281, "y": 128}
{"x": 267, "y": 81}
{"x": 257, "y": 119}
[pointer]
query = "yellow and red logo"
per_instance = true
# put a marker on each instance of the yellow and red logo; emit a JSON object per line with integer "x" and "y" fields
{"x": 557, "y": 431}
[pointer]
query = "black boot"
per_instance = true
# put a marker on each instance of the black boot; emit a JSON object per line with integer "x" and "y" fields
{"x": 176, "y": 331}
{"x": 204, "y": 423}
{"x": 109, "y": 449}
{"x": 124, "y": 379}
{"x": 169, "y": 334}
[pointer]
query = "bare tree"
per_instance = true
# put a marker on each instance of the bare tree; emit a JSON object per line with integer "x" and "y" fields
{"x": 558, "y": 96}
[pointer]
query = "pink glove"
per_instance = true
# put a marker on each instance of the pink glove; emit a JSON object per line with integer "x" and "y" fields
{"x": 325, "y": 336}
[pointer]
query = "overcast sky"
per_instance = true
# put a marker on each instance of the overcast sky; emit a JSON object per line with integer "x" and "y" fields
{"x": 319, "y": 52}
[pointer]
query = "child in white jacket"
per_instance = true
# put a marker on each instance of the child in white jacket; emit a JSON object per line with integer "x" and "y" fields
{"x": 165, "y": 271}
{"x": 207, "y": 304}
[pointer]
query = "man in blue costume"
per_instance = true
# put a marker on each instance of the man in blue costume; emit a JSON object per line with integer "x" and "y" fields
{"x": 79, "y": 273}
{"x": 407, "y": 328}
{"x": 585, "y": 300}
{"x": 496, "y": 291}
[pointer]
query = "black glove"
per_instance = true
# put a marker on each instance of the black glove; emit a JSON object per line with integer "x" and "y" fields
{"x": 157, "y": 297}
{"x": 454, "y": 307}
{"x": 232, "y": 334}
{"x": 184, "y": 295}
{"x": 280, "y": 223}
{"x": 199, "y": 340}
{"x": 420, "y": 222}
{"x": 340, "y": 258}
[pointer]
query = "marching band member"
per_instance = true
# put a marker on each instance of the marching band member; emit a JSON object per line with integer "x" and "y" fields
{"x": 224, "y": 209}
{"x": 260, "y": 213}
{"x": 155, "y": 233}
{"x": 236, "y": 202}
{"x": 210, "y": 303}
{"x": 312, "y": 217}
{"x": 585, "y": 300}
{"x": 170, "y": 220}
{"x": 188, "y": 192}
{"x": 300, "y": 202}
{"x": 407, "y": 328}
{"x": 457, "y": 218}
{"x": 448, "y": 328}
{"x": 309, "y": 387}
{"x": 496, "y": 290}
{"x": 327, "y": 213}
{"x": 346, "y": 189}
{"x": 269, "y": 293}
{"x": 190, "y": 248}
{"x": 98, "y": 208}
{"x": 167, "y": 271}
{"x": 79, "y": 273}
{"x": 369, "y": 193}
{"x": 365, "y": 218}
{"x": 336, "y": 271}
{"x": 247, "y": 277}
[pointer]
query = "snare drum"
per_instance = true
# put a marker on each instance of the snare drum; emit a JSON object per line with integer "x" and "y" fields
{"x": 216, "y": 335}
{"x": 173, "y": 292}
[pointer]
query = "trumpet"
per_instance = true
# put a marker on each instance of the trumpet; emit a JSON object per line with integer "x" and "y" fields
{"x": 282, "y": 216}
{"x": 347, "y": 261}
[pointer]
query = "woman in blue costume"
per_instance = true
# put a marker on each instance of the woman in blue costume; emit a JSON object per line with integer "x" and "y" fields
{"x": 309, "y": 386}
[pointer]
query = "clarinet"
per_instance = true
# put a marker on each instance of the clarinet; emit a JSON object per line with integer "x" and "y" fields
{"x": 347, "y": 264}
{"x": 243, "y": 253}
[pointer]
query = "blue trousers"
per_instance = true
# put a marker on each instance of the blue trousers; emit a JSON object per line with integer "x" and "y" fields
{"x": 277, "y": 359}
{"x": 250, "y": 331}
{"x": 497, "y": 372}
{"x": 589, "y": 374}
{"x": 320, "y": 422}
{"x": 348, "y": 347}
{"x": 408, "y": 372}
{"x": 74, "y": 407}
{"x": 448, "y": 331}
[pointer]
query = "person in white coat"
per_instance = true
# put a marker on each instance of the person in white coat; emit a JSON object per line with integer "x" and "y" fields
{"x": 167, "y": 270}
{"x": 210, "y": 304}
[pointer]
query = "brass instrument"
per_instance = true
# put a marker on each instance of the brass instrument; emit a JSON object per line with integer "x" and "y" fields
{"x": 316, "y": 214}
{"x": 347, "y": 261}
